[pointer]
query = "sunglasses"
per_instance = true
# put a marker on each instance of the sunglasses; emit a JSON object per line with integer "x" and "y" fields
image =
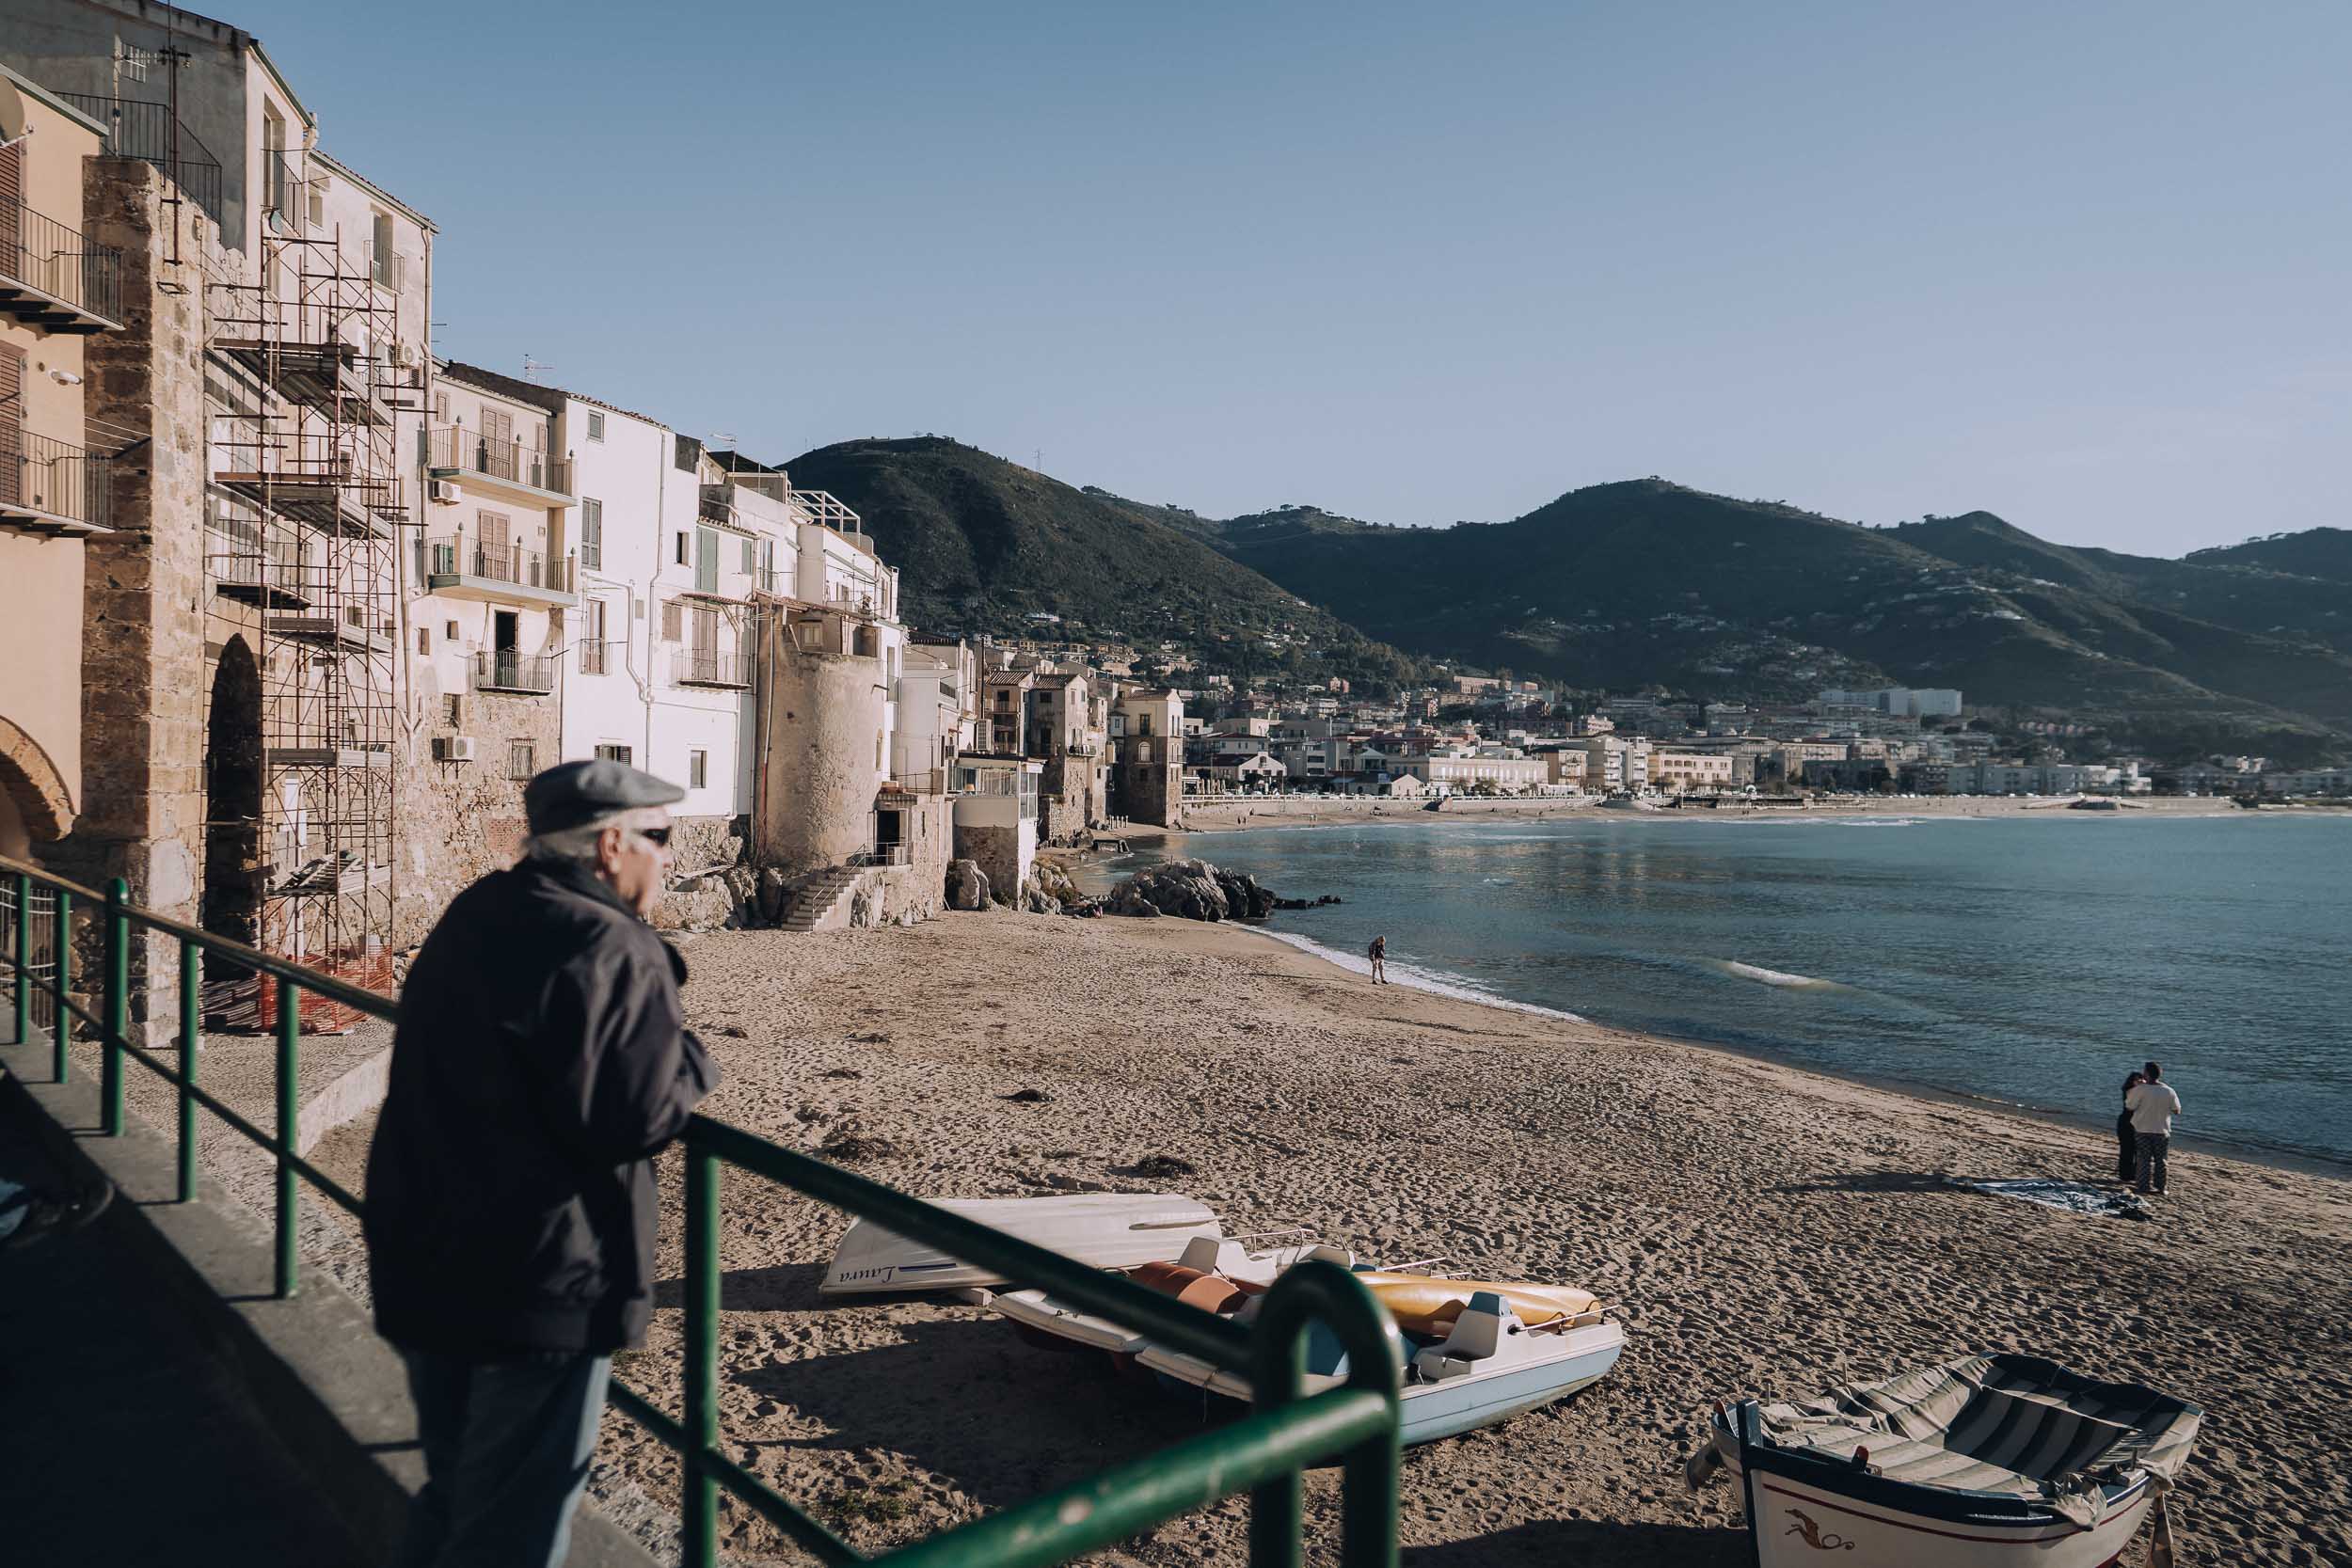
{"x": 657, "y": 837}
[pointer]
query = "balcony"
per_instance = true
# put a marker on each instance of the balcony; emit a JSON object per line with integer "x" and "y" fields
{"x": 135, "y": 129}
{"x": 463, "y": 568}
{"x": 697, "y": 667}
{"x": 54, "y": 279}
{"x": 456, "y": 451}
{"x": 50, "y": 487}
{"x": 530, "y": 675}
{"x": 244, "y": 563}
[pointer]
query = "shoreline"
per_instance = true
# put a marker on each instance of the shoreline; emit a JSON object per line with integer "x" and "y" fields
{"x": 2290, "y": 1160}
{"x": 1244, "y": 813}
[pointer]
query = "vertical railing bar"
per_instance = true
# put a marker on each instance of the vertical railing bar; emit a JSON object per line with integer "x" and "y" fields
{"x": 698, "y": 1524}
{"x": 191, "y": 1016}
{"x": 60, "y": 982}
{"x": 24, "y": 957}
{"x": 288, "y": 1060}
{"x": 1278, "y": 1525}
{"x": 117, "y": 1010}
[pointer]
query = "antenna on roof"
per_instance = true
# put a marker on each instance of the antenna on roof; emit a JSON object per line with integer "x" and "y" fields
{"x": 723, "y": 440}
{"x": 533, "y": 367}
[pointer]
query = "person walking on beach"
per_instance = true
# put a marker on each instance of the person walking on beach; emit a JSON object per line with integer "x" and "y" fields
{"x": 2152, "y": 1106}
{"x": 1379, "y": 951}
{"x": 2127, "y": 1137}
{"x": 540, "y": 1060}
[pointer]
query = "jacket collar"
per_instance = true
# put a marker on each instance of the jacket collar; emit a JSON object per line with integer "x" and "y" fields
{"x": 576, "y": 876}
{"x": 579, "y": 879}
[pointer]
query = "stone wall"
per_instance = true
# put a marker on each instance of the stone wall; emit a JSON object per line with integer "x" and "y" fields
{"x": 997, "y": 851}
{"x": 1149, "y": 792}
{"x": 142, "y": 670}
{"x": 456, "y": 822}
{"x": 710, "y": 884}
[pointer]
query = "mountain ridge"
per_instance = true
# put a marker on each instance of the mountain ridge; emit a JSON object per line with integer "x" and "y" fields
{"x": 1639, "y": 584}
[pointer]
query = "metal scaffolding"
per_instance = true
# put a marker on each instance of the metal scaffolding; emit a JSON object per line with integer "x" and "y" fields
{"x": 306, "y": 384}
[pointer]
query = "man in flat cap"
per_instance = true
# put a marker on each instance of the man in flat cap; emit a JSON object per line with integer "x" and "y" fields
{"x": 540, "y": 1061}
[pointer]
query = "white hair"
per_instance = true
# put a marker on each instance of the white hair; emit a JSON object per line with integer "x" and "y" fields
{"x": 579, "y": 843}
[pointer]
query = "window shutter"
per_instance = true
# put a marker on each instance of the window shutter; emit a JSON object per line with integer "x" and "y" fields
{"x": 670, "y": 619}
{"x": 592, "y": 533}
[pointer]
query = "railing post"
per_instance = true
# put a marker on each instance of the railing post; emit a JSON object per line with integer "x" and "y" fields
{"x": 191, "y": 1013}
{"x": 118, "y": 1008}
{"x": 699, "y": 1504}
{"x": 1310, "y": 1290}
{"x": 61, "y": 981}
{"x": 24, "y": 956}
{"x": 289, "y": 1067}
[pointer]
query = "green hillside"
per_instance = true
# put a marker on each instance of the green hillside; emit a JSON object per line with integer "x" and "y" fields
{"x": 2319, "y": 552}
{"x": 986, "y": 546}
{"x": 1647, "y": 583}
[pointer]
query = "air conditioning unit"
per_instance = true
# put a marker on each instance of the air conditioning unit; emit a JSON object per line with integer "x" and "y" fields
{"x": 453, "y": 748}
{"x": 443, "y": 492}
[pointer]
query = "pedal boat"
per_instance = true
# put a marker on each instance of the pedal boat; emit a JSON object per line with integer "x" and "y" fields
{"x": 1472, "y": 1359}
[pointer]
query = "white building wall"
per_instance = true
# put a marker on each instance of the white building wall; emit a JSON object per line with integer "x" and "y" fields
{"x": 620, "y": 476}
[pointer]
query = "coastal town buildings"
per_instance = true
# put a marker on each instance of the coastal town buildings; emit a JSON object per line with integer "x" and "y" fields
{"x": 1676, "y": 772}
{"x": 57, "y": 290}
{"x": 1147, "y": 760}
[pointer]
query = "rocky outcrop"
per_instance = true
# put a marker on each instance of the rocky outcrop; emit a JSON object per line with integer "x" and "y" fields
{"x": 967, "y": 885}
{"x": 1193, "y": 890}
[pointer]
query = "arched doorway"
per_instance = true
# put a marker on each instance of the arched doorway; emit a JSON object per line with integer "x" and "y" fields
{"x": 230, "y": 904}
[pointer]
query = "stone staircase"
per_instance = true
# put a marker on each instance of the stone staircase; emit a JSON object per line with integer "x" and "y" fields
{"x": 823, "y": 902}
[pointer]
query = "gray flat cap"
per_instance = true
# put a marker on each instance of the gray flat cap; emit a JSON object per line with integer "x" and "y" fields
{"x": 572, "y": 794}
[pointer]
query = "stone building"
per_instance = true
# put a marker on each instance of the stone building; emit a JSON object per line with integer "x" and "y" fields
{"x": 1147, "y": 755}
{"x": 1065, "y": 733}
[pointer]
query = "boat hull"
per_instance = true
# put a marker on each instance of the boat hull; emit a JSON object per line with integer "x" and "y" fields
{"x": 1797, "y": 1522}
{"x": 1430, "y": 1411}
{"x": 1103, "y": 1230}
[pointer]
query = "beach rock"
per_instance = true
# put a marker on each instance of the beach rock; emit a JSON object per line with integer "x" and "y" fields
{"x": 967, "y": 885}
{"x": 1194, "y": 890}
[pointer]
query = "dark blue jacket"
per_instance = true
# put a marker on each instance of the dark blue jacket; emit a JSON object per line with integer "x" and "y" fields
{"x": 540, "y": 1061}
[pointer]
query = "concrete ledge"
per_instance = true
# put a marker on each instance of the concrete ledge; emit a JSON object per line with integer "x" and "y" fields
{"x": 333, "y": 1391}
{"x": 353, "y": 1095}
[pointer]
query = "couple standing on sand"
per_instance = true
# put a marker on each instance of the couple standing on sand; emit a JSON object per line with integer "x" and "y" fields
{"x": 2143, "y": 1129}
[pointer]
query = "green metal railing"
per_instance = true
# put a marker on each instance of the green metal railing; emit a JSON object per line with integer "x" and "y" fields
{"x": 1264, "y": 1452}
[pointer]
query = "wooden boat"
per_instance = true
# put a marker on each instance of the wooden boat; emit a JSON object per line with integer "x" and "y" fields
{"x": 1105, "y": 1230}
{"x": 1471, "y": 1358}
{"x": 1986, "y": 1461}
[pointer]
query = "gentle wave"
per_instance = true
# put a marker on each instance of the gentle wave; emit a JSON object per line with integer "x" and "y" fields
{"x": 1773, "y": 976}
{"x": 1459, "y": 987}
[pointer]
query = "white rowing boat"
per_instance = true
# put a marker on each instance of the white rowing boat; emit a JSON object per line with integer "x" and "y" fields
{"x": 1103, "y": 1230}
{"x": 1987, "y": 1461}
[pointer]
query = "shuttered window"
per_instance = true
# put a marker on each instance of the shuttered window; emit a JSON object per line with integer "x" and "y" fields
{"x": 596, "y": 426}
{"x": 671, "y": 618}
{"x": 751, "y": 555}
{"x": 592, "y": 533}
{"x": 697, "y": 769}
{"x": 706, "y": 561}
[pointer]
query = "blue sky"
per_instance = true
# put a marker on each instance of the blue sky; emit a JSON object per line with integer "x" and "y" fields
{"x": 2083, "y": 265}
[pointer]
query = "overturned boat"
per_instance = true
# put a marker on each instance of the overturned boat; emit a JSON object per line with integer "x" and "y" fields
{"x": 1103, "y": 1231}
{"x": 1477, "y": 1352}
{"x": 1986, "y": 1461}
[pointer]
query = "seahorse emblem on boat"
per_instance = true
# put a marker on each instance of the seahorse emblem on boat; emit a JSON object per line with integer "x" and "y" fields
{"x": 1813, "y": 1536}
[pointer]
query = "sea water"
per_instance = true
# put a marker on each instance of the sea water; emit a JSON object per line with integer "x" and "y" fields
{"x": 2031, "y": 959}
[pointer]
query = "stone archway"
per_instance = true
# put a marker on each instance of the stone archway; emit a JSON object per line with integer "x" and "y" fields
{"x": 35, "y": 805}
{"x": 230, "y": 902}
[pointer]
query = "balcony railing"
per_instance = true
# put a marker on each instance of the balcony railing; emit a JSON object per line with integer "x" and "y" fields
{"x": 51, "y": 482}
{"x": 512, "y": 671}
{"x": 145, "y": 131}
{"x": 471, "y": 451}
{"x": 933, "y": 781}
{"x": 39, "y": 254}
{"x": 458, "y": 556}
{"x": 882, "y": 854}
{"x": 697, "y": 667}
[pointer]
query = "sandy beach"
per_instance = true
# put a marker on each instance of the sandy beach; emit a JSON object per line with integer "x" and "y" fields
{"x": 1756, "y": 1228}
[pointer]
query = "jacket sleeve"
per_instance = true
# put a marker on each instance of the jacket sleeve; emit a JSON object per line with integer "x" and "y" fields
{"x": 628, "y": 1072}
